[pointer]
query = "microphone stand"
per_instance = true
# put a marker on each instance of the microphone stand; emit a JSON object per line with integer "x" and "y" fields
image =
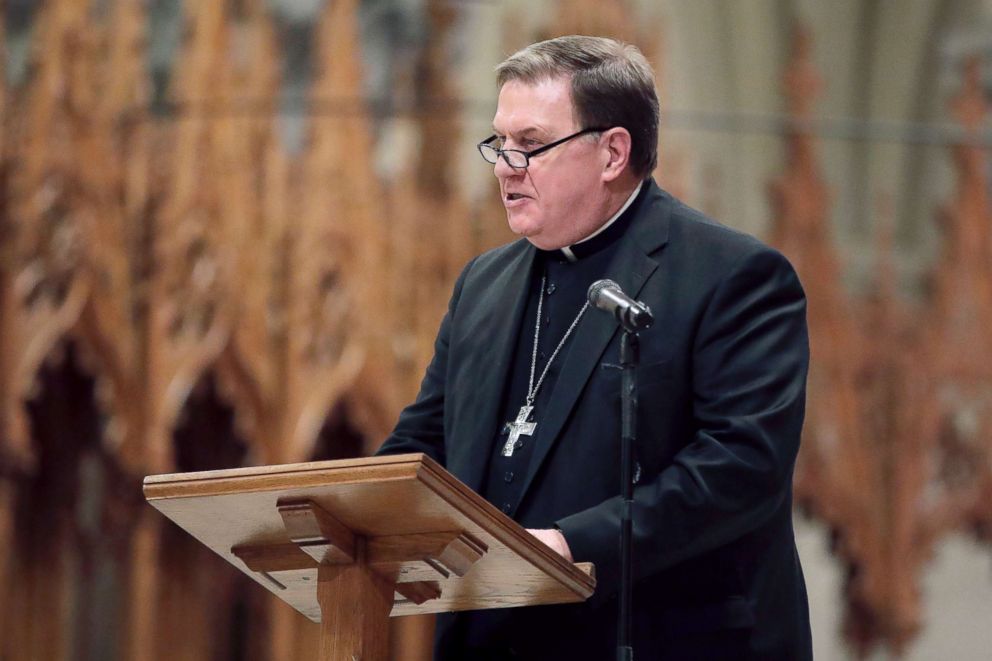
{"x": 633, "y": 316}
{"x": 629, "y": 358}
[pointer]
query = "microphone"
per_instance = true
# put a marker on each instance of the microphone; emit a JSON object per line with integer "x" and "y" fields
{"x": 633, "y": 315}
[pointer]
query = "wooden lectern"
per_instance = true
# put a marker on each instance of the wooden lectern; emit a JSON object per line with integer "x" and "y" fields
{"x": 349, "y": 543}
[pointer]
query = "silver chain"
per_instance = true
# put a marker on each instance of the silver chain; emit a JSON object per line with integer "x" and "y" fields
{"x": 532, "y": 389}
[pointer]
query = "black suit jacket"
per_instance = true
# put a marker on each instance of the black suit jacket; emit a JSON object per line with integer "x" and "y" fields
{"x": 722, "y": 394}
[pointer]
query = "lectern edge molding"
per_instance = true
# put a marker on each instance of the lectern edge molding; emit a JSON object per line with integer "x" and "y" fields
{"x": 349, "y": 542}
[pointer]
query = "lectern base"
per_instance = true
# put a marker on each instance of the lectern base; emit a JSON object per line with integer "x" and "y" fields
{"x": 355, "y": 602}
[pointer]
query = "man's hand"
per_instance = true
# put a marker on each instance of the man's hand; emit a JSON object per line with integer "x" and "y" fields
{"x": 555, "y": 540}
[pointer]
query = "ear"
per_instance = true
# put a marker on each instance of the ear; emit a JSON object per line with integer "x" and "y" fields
{"x": 617, "y": 143}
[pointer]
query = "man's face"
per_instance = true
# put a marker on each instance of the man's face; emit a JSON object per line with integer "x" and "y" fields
{"x": 560, "y": 198}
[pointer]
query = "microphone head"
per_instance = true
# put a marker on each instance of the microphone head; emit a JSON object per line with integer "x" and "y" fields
{"x": 597, "y": 287}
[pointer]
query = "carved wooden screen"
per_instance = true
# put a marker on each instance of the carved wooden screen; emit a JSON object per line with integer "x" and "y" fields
{"x": 197, "y": 286}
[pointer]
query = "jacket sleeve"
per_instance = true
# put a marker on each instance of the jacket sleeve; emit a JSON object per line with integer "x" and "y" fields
{"x": 749, "y": 360}
{"x": 420, "y": 427}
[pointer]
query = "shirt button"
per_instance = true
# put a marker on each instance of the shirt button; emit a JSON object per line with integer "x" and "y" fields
{"x": 508, "y": 477}
{"x": 506, "y": 508}
{"x": 542, "y": 355}
{"x": 547, "y": 320}
{"x": 551, "y": 289}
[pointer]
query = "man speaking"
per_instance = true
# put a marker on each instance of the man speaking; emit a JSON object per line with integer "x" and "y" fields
{"x": 520, "y": 404}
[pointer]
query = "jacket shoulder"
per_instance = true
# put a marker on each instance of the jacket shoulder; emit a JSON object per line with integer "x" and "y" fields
{"x": 709, "y": 241}
{"x": 487, "y": 265}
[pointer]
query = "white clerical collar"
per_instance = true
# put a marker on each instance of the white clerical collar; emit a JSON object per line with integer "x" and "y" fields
{"x": 567, "y": 250}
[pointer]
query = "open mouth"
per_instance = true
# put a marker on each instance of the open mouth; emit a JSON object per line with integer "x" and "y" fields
{"x": 514, "y": 196}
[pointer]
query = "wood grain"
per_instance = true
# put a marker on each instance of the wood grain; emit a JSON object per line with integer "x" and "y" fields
{"x": 236, "y": 514}
{"x": 357, "y": 600}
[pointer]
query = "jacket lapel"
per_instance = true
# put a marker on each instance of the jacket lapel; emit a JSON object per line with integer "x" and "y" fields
{"x": 630, "y": 268}
{"x": 493, "y": 334}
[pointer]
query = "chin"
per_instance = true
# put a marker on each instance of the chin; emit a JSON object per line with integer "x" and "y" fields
{"x": 522, "y": 226}
{"x": 531, "y": 229}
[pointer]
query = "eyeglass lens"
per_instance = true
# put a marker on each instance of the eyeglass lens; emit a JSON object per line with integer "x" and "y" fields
{"x": 513, "y": 157}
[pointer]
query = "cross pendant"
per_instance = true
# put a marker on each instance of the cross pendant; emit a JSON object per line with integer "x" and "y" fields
{"x": 517, "y": 428}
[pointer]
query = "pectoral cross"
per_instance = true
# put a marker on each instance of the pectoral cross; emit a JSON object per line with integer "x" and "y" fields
{"x": 517, "y": 428}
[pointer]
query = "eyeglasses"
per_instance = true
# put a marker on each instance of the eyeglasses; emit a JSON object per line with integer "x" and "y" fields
{"x": 519, "y": 159}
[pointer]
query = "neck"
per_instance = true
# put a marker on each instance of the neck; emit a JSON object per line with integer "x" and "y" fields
{"x": 618, "y": 196}
{"x": 615, "y": 195}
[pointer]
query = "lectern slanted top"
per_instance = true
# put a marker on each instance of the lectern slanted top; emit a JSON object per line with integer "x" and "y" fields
{"x": 435, "y": 542}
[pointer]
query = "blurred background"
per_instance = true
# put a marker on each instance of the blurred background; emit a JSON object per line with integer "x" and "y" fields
{"x": 228, "y": 231}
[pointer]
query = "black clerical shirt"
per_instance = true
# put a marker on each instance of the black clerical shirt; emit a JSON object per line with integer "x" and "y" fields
{"x": 566, "y": 284}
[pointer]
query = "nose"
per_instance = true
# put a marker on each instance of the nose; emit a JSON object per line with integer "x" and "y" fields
{"x": 502, "y": 169}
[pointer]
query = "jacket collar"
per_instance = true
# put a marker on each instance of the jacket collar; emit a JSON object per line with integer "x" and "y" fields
{"x": 500, "y": 320}
{"x": 634, "y": 263}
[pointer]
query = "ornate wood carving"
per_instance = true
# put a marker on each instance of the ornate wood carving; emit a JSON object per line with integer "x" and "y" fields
{"x": 960, "y": 318}
{"x": 42, "y": 295}
{"x": 881, "y": 462}
{"x": 70, "y": 516}
{"x": 170, "y": 250}
{"x": 190, "y": 316}
{"x": 65, "y": 257}
{"x": 339, "y": 221}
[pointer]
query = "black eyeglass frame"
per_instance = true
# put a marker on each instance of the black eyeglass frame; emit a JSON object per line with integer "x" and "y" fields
{"x": 534, "y": 152}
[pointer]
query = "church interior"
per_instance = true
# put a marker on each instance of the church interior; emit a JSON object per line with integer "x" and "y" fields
{"x": 229, "y": 230}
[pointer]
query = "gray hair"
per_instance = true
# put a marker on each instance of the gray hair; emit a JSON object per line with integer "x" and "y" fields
{"x": 612, "y": 85}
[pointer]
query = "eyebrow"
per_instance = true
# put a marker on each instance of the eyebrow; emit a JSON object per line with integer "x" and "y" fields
{"x": 530, "y": 130}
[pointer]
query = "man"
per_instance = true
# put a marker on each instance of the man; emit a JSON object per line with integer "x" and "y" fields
{"x": 520, "y": 404}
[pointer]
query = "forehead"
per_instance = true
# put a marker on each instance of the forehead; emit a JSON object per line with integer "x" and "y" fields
{"x": 545, "y": 105}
